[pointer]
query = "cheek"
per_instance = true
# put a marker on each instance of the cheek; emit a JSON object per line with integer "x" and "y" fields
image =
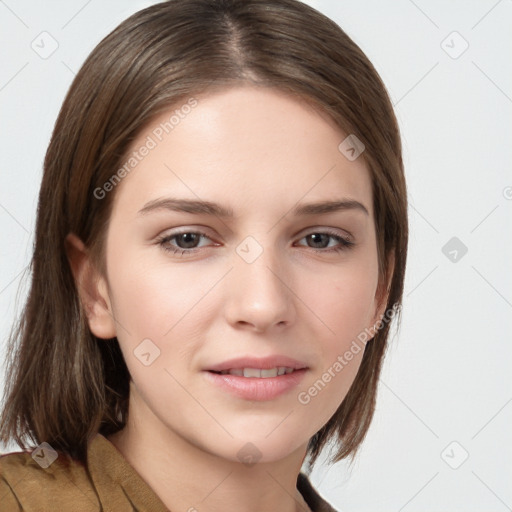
{"x": 155, "y": 299}
{"x": 150, "y": 298}
{"x": 164, "y": 304}
{"x": 344, "y": 301}
{"x": 345, "y": 304}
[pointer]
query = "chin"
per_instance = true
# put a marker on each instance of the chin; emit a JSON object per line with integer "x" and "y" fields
{"x": 252, "y": 447}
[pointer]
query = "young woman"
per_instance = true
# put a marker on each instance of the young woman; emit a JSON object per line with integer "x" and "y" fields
{"x": 220, "y": 250}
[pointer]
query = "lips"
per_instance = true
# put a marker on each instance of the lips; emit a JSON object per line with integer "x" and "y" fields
{"x": 259, "y": 373}
{"x": 255, "y": 364}
{"x": 258, "y": 379}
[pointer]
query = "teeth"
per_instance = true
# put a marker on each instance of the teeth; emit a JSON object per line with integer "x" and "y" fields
{"x": 252, "y": 372}
{"x": 257, "y": 372}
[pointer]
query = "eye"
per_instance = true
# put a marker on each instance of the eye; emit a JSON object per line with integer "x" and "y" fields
{"x": 320, "y": 238}
{"x": 186, "y": 241}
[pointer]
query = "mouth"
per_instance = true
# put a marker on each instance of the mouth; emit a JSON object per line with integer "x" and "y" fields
{"x": 259, "y": 373}
{"x": 257, "y": 379}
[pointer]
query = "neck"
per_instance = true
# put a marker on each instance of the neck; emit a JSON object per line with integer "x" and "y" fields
{"x": 186, "y": 477}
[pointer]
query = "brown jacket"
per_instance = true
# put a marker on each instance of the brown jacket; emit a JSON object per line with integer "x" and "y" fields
{"x": 107, "y": 484}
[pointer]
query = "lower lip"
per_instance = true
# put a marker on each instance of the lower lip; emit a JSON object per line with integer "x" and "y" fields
{"x": 254, "y": 388}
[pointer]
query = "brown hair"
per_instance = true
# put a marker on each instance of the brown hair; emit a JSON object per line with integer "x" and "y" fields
{"x": 63, "y": 384}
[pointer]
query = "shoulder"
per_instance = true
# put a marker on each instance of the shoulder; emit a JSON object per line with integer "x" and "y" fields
{"x": 29, "y": 483}
{"x": 45, "y": 480}
{"x": 315, "y": 502}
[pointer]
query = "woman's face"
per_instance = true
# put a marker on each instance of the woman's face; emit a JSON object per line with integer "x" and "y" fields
{"x": 193, "y": 290}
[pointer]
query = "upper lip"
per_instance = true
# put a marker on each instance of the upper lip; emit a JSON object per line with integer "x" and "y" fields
{"x": 263, "y": 363}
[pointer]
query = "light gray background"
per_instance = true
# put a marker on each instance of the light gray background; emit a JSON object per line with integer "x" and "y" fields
{"x": 446, "y": 388}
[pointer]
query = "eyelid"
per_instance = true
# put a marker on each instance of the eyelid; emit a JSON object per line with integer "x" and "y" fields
{"x": 172, "y": 234}
{"x": 315, "y": 229}
{"x": 330, "y": 231}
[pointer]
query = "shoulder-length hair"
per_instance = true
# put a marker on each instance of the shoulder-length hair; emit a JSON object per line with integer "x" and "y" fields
{"x": 64, "y": 385}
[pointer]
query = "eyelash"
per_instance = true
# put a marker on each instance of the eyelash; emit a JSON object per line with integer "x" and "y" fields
{"x": 345, "y": 243}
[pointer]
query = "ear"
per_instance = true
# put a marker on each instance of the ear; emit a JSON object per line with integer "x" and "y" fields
{"x": 92, "y": 288}
{"x": 382, "y": 295}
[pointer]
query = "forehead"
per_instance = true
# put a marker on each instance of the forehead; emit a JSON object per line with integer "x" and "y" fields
{"x": 247, "y": 146}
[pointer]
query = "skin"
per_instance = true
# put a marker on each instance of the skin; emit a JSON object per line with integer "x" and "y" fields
{"x": 259, "y": 152}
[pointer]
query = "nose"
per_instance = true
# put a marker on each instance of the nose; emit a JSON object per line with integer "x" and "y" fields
{"x": 259, "y": 294}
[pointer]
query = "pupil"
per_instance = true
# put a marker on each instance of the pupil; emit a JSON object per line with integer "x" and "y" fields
{"x": 317, "y": 237}
{"x": 187, "y": 236}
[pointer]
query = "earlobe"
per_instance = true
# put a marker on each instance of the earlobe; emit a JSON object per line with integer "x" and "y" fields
{"x": 379, "y": 314}
{"x": 380, "y": 306}
{"x": 382, "y": 295}
{"x": 92, "y": 289}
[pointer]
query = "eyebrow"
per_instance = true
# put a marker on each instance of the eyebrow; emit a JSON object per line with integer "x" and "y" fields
{"x": 210, "y": 208}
